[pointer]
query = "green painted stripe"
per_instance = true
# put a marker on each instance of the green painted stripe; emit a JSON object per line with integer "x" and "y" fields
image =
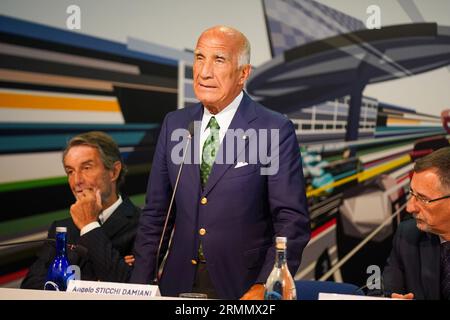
{"x": 30, "y": 184}
{"x": 9, "y": 228}
{"x": 47, "y": 182}
{"x": 382, "y": 148}
{"x": 138, "y": 199}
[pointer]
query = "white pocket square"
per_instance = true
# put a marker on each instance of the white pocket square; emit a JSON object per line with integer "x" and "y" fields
{"x": 241, "y": 164}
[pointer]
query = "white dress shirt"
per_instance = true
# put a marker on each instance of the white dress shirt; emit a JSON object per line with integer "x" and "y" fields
{"x": 103, "y": 216}
{"x": 223, "y": 118}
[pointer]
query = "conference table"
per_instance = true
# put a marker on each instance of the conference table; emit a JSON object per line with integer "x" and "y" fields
{"x": 29, "y": 294}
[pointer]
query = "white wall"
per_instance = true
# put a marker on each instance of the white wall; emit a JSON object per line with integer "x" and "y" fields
{"x": 177, "y": 23}
{"x": 428, "y": 92}
{"x": 174, "y": 23}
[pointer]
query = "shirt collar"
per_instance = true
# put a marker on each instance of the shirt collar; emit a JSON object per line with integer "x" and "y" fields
{"x": 109, "y": 211}
{"x": 225, "y": 116}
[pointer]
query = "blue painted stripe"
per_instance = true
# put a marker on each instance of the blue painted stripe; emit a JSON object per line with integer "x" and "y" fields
{"x": 46, "y": 33}
{"x": 77, "y": 126}
{"x": 405, "y": 135}
{"x": 35, "y": 143}
{"x": 405, "y": 128}
{"x": 344, "y": 175}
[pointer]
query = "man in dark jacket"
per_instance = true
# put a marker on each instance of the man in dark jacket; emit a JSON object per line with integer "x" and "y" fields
{"x": 102, "y": 227}
{"x": 419, "y": 264}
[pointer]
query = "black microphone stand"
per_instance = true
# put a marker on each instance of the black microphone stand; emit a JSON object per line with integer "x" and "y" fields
{"x": 191, "y": 133}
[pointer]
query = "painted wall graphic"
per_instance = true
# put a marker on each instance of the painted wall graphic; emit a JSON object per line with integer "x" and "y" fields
{"x": 357, "y": 149}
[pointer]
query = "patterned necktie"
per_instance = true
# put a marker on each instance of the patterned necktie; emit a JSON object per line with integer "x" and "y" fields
{"x": 445, "y": 270}
{"x": 210, "y": 148}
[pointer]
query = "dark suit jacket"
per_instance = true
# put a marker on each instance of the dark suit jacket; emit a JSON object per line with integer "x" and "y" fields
{"x": 105, "y": 247}
{"x": 414, "y": 263}
{"x": 243, "y": 213}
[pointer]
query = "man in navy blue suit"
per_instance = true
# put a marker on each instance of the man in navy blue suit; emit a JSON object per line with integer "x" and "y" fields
{"x": 241, "y": 186}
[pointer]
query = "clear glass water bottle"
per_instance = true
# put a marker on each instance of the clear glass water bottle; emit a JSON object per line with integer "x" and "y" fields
{"x": 57, "y": 272}
{"x": 280, "y": 284}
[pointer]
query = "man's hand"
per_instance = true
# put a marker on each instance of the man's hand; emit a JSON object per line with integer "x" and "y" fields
{"x": 408, "y": 296}
{"x": 129, "y": 260}
{"x": 87, "y": 208}
{"x": 256, "y": 292}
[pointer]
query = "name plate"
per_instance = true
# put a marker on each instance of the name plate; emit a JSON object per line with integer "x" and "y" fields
{"x": 113, "y": 288}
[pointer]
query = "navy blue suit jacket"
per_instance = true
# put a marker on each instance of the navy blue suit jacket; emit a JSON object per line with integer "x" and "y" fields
{"x": 244, "y": 211}
{"x": 414, "y": 263}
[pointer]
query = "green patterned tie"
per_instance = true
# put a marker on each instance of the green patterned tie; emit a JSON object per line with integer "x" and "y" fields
{"x": 210, "y": 148}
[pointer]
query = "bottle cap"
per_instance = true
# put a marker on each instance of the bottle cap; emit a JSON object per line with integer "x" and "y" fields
{"x": 281, "y": 243}
{"x": 61, "y": 229}
{"x": 281, "y": 239}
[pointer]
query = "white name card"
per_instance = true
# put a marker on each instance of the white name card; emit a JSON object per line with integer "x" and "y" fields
{"x": 113, "y": 288}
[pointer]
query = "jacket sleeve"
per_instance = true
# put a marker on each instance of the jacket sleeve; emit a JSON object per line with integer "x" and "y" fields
{"x": 287, "y": 200}
{"x": 393, "y": 273}
{"x": 108, "y": 264}
{"x": 36, "y": 276}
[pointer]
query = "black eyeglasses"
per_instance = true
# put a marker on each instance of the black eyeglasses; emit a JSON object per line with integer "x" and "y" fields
{"x": 424, "y": 200}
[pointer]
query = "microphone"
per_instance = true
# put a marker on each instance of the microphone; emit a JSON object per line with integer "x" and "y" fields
{"x": 191, "y": 134}
{"x": 374, "y": 292}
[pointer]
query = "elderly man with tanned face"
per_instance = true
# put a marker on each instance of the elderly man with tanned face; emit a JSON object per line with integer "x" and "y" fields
{"x": 220, "y": 67}
{"x": 227, "y": 212}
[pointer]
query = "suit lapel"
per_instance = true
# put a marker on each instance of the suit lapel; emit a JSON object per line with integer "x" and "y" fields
{"x": 430, "y": 266}
{"x": 192, "y": 167}
{"x": 243, "y": 116}
{"x": 118, "y": 219}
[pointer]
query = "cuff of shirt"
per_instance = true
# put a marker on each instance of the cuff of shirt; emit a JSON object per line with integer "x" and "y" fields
{"x": 89, "y": 227}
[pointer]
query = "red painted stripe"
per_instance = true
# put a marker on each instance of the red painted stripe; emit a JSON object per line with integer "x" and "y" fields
{"x": 403, "y": 178}
{"x": 323, "y": 227}
{"x": 13, "y": 276}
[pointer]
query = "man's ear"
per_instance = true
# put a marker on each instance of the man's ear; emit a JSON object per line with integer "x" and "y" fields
{"x": 245, "y": 73}
{"x": 115, "y": 172}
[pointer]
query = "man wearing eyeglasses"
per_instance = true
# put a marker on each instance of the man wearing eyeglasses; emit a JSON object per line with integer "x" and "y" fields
{"x": 419, "y": 264}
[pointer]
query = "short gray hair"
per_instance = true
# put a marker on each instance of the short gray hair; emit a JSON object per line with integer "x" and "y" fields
{"x": 438, "y": 160}
{"x": 245, "y": 52}
{"x": 106, "y": 146}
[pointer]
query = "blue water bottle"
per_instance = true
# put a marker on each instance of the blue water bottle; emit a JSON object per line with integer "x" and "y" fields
{"x": 57, "y": 272}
